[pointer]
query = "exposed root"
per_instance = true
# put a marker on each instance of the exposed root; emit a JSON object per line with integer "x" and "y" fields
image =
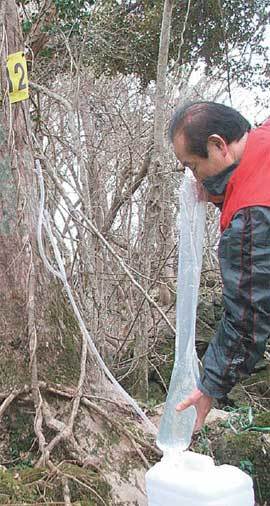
{"x": 33, "y": 358}
{"x": 74, "y": 449}
{"x": 38, "y": 427}
{"x": 121, "y": 430}
{"x": 66, "y": 476}
{"x": 65, "y": 431}
{"x": 8, "y": 399}
{"x": 66, "y": 491}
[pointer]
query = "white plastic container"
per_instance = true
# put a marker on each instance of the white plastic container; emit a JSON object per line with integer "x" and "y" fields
{"x": 191, "y": 479}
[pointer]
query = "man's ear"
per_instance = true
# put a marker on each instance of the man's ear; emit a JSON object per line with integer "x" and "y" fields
{"x": 217, "y": 141}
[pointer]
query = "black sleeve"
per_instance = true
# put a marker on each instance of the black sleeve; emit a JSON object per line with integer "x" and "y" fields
{"x": 244, "y": 254}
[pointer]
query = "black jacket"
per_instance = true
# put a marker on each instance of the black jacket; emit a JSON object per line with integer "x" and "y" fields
{"x": 240, "y": 341}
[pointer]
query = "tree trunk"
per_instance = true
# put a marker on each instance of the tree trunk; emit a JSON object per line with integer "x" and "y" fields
{"x": 156, "y": 242}
{"x": 159, "y": 121}
{"x": 18, "y": 271}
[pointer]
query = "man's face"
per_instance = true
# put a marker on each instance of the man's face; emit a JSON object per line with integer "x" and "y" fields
{"x": 218, "y": 157}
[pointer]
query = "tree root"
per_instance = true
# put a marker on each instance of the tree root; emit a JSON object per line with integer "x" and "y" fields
{"x": 66, "y": 476}
{"x": 64, "y": 431}
{"x": 8, "y": 398}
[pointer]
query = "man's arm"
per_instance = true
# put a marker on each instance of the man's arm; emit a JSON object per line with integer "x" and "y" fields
{"x": 245, "y": 326}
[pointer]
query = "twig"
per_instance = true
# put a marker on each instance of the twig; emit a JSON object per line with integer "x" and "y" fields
{"x": 61, "y": 274}
{"x": 178, "y": 60}
{"x": 67, "y": 475}
{"x": 123, "y": 265}
{"x": 5, "y": 404}
{"x": 121, "y": 429}
{"x": 38, "y": 428}
{"x": 66, "y": 491}
{"x": 71, "y": 123}
{"x": 226, "y": 50}
{"x": 143, "y": 300}
{"x": 77, "y": 217}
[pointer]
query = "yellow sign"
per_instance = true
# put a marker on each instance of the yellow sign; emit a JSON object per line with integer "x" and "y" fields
{"x": 17, "y": 77}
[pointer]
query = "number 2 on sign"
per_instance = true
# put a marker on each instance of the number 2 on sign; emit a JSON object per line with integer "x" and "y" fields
{"x": 17, "y": 77}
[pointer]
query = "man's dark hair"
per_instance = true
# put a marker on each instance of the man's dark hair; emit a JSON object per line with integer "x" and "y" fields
{"x": 198, "y": 120}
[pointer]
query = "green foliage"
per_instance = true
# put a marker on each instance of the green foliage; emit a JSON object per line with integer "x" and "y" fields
{"x": 247, "y": 466}
{"x": 125, "y": 38}
{"x": 124, "y": 41}
{"x": 46, "y": 52}
{"x": 26, "y": 26}
{"x": 21, "y": 435}
{"x": 11, "y": 489}
{"x": 72, "y": 8}
{"x": 39, "y": 486}
{"x": 73, "y": 13}
{"x": 246, "y": 451}
{"x": 203, "y": 444}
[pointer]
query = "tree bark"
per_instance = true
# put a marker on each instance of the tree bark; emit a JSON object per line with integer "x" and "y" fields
{"x": 18, "y": 200}
{"x": 156, "y": 241}
{"x": 159, "y": 120}
{"x": 38, "y": 36}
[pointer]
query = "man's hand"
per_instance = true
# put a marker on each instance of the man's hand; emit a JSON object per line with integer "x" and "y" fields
{"x": 202, "y": 403}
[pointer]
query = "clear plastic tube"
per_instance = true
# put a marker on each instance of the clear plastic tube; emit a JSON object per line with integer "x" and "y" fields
{"x": 176, "y": 428}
